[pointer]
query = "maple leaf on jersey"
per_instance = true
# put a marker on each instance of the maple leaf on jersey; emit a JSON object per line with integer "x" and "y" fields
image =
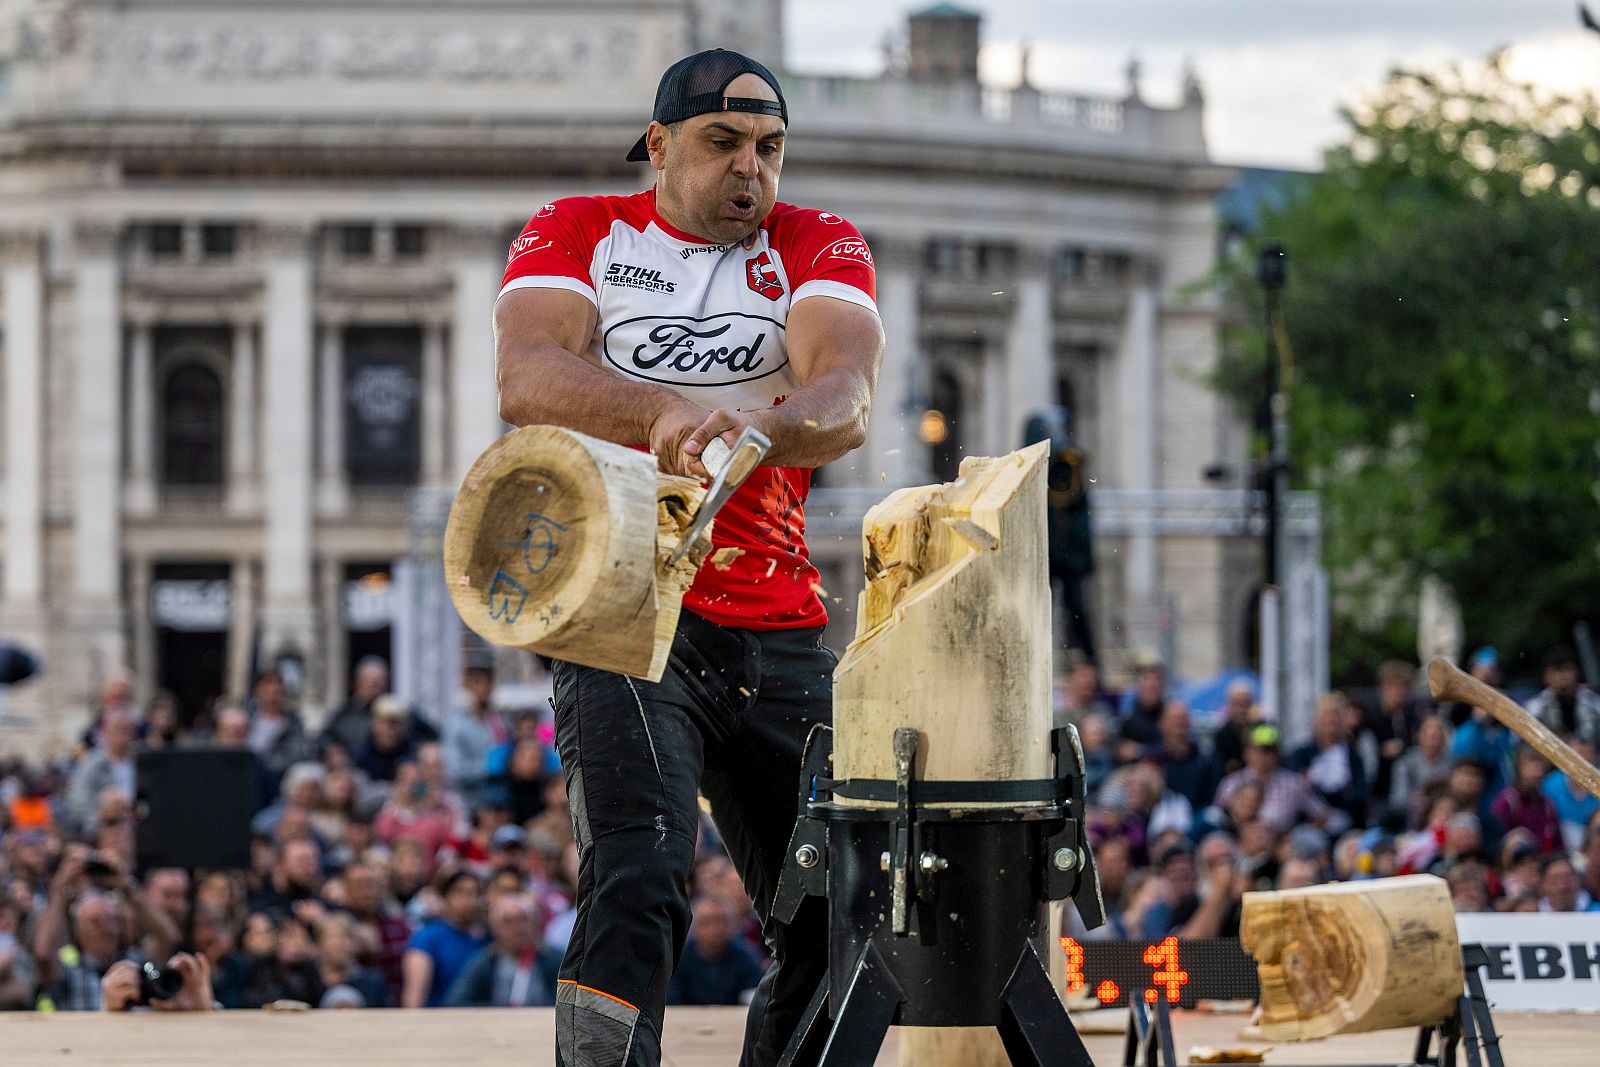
{"x": 779, "y": 514}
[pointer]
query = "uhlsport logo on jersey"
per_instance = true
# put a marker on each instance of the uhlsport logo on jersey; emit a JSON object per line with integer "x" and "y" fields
{"x": 528, "y": 242}
{"x": 846, "y": 248}
{"x": 682, "y": 350}
{"x": 763, "y": 276}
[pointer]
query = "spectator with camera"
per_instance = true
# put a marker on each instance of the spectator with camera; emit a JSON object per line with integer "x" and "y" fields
{"x": 95, "y": 916}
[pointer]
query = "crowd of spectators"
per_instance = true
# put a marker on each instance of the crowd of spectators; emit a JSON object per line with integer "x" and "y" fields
{"x": 397, "y": 859}
{"x": 1184, "y": 820}
{"x": 406, "y": 859}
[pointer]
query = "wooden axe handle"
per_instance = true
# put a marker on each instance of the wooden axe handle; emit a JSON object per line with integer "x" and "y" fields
{"x": 1449, "y": 682}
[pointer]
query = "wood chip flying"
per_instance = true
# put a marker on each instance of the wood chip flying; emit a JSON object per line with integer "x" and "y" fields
{"x": 816, "y": 587}
{"x": 723, "y": 557}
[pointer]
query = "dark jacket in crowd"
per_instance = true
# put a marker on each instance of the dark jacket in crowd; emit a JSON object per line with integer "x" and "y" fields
{"x": 721, "y": 981}
{"x": 1193, "y": 776}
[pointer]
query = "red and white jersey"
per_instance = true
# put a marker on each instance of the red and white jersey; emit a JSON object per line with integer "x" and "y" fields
{"x": 708, "y": 321}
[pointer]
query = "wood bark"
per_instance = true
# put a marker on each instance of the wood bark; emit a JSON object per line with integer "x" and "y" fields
{"x": 953, "y": 631}
{"x": 1353, "y": 956}
{"x": 558, "y": 543}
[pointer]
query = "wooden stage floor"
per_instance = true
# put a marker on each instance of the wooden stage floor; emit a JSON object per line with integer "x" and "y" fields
{"x": 696, "y": 1037}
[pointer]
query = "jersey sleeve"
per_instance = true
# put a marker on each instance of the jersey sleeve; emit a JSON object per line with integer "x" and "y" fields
{"x": 824, "y": 255}
{"x": 556, "y": 247}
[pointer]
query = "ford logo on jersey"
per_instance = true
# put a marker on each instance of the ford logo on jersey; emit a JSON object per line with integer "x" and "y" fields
{"x": 682, "y": 350}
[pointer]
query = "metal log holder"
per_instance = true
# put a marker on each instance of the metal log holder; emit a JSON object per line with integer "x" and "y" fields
{"x": 937, "y": 903}
{"x": 1149, "y": 1041}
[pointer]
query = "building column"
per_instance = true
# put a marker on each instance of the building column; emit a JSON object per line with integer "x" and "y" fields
{"x": 22, "y": 319}
{"x": 141, "y": 418}
{"x": 475, "y": 415}
{"x": 288, "y": 615}
{"x": 333, "y": 492}
{"x": 894, "y": 454}
{"x": 23, "y": 616}
{"x": 1140, "y": 404}
{"x": 241, "y": 626}
{"x": 243, "y": 494}
{"x": 433, "y": 404}
{"x": 336, "y": 639}
{"x": 1030, "y": 345}
{"x": 96, "y": 613}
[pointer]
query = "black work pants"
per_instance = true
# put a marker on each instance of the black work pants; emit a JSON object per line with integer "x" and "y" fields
{"x": 729, "y": 719}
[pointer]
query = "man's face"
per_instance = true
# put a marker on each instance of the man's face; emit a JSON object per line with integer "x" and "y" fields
{"x": 168, "y": 889}
{"x": 99, "y": 928}
{"x": 712, "y": 928}
{"x": 478, "y": 684}
{"x": 1392, "y": 691}
{"x": 511, "y": 923}
{"x": 371, "y": 681}
{"x": 719, "y": 172}
{"x": 1559, "y": 886}
{"x": 118, "y": 731}
{"x": 1083, "y": 683}
{"x": 364, "y": 887}
{"x": 269, "y": 690}
{"x": 1263, "y": 759}
{"x": 1237, "y": 707}
{"x": 1174, "y": 724}
{"x": 461, "y": 903}
{"x": 300, "y": 865}
{"x": 233, "y": 728}
{"x": 1152, "y": 683}
{"x": 1563, "y": 679}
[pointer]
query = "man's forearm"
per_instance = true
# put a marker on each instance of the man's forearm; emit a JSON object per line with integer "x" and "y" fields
{"x": 151, "y": 921}
{"x": 818, "y": 422}
{"x": 549, "y": 385}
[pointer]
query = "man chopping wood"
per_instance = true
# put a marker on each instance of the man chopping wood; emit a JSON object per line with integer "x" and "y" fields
{"x": 662, "y": 320}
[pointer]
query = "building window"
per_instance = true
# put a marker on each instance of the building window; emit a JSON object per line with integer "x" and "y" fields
{"x": 356, "y": 241}
{"x": 218, "y": 240}
{"x": 410, "y": 242}
{"x": 164, "y": 240}
{"x": 1069, "y": 263}
{"x": 942, "y": 425}
{"x": 191, "y": 426}
{"x": 382, "y": 404}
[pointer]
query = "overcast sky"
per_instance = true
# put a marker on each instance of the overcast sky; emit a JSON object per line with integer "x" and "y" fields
{"x": 1274, "y": 71}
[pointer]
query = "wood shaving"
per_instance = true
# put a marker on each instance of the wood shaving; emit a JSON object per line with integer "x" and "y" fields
{"x": 723, "y": 557}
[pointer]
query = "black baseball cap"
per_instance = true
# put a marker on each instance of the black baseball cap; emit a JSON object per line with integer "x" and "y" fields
{"x": 696, "y": 85}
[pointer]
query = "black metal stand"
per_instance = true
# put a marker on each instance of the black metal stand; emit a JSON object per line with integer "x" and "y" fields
{"x": 936, "y": 896}
{"x": 1149, "y": 1040}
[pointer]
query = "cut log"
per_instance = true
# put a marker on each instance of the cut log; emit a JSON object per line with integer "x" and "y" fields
{"x": 558, "y": 543}
{"x": 1353, "y": 956}
{"x": 953, "y": 631}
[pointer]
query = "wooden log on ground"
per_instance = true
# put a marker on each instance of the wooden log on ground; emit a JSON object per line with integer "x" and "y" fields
{"x": 953, "y": 631}
{"x": 1353, "y": 956}
{"x": 558, "y": 543}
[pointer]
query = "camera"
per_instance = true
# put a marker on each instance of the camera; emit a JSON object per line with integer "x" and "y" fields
{"x": 97, "y": 869}
{"x": 156, "y": 983}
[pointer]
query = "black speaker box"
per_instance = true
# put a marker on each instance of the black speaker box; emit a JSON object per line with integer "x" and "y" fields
{"x": 193, "y": 808}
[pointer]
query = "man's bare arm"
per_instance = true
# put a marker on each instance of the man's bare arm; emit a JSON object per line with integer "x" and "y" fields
{"x": 538, "y": 335}
{"x": 835, "y": 349}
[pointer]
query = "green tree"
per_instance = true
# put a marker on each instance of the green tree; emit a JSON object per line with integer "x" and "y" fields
{"x": 1443, "y": 301}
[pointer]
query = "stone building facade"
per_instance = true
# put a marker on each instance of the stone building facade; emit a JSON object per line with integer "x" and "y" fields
{"x": 248, "y": 252}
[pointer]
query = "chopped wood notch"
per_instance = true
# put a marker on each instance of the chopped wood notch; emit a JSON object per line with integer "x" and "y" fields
{"x": 558, "y": 543}
{"x": 953, "y": 632}
{"x": 1353, "y": 956}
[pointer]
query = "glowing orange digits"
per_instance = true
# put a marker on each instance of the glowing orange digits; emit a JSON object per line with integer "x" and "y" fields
{"x": 1164, "y": 958}
{"x": 1074, "y": 954}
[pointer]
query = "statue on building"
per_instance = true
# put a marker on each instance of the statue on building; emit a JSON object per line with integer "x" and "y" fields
{"x": 1070, "y": 536}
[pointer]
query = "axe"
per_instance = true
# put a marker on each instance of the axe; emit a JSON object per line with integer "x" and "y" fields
{"x": 1449, "y": 682}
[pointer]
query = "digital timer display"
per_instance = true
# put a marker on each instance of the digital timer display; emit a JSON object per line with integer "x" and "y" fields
{"x": 1176, "y": 971}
